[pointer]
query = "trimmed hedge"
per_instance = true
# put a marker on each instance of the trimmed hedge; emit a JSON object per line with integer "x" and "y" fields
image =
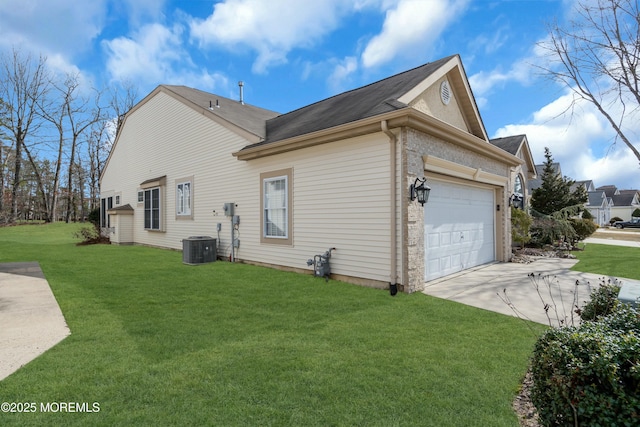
{"x": 589, "y": 375}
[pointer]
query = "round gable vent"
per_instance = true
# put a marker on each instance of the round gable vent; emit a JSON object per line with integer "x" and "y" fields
{"x": 445, "y": 92}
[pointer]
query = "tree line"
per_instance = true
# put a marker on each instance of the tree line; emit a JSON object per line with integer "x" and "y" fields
{"x": 55, "y": 135}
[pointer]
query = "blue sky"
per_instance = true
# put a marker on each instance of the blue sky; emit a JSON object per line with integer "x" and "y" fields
{"x": 290, "y": 53}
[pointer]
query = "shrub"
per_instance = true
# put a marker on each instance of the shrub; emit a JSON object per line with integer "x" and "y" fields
{"x": 603, "y": 301}
{"x": 94, "y": 216}
{"x": 520, "y": 225}
{"x": 547, "y": 230}
{"x": 92, "y": 234}
{"x": 587, "y": 215}
{"x": 636, "y": 212}
{"x": 583, "y": 227}
{"x": 588, "y": 375}
{"x": 614, "y": 219}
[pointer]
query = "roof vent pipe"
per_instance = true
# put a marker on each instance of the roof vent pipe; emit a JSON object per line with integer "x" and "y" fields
{"x": 241, "y": 85}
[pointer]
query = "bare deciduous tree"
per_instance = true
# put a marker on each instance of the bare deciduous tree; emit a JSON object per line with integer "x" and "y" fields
{"x": 98, "y": 141}
{"x": 122, "y": 101}
{"x": 23, "y": 82}
{"x": 80, "y": 119}
{"x": 597, "y": 56}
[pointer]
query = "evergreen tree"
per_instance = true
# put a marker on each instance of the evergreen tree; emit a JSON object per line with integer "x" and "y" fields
{"x": 555, "y": 193}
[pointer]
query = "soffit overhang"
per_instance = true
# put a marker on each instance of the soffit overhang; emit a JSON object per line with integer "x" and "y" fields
{"x": 406, "y": 117}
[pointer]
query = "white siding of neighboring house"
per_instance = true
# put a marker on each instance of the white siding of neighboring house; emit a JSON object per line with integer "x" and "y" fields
{"x": 341, "y": 190}
{"x": 623, "y": 212}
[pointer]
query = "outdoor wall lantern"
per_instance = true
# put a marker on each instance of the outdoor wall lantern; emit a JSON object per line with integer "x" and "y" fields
{"x": 517, "y": 201}
{"x": 418, "y": 190}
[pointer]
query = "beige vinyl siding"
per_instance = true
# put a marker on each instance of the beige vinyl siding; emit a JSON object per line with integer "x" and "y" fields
{"x": 341, "y": 194}
{"x": 166, "y": 138}
{"x": 340, "y": 199}
{"x": 429, "y": 102}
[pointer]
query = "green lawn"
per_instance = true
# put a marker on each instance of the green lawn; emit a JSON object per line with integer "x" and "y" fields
{"x": 156, "y": 342}
{"x": 616, "y": 261}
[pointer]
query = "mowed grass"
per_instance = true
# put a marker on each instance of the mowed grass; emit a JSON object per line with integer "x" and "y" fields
{"x": 157, "y": 342}
{"x": 609, "y": 260}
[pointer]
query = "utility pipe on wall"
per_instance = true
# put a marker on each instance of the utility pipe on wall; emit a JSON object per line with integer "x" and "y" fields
{"x": 393, "y": 276}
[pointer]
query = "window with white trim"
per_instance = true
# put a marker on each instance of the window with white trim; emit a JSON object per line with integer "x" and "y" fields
{"x": 276, "y": 205}
{"x": 183, "y": 198}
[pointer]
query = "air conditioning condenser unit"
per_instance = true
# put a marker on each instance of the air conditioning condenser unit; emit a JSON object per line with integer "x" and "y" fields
{"x": 199, "y": 250}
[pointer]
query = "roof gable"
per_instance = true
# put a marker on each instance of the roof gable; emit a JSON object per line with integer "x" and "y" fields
{"x": 247, "y": 117}
{"x": 610, "y": 190}
{"x": 384, "y": 96}
{"x": 597, "y": 199}
{"x": 518, "y": 145}
{"x": 625, "y": 198}
{"x": 452, "y": 69}
{"x": 587, "y": 184}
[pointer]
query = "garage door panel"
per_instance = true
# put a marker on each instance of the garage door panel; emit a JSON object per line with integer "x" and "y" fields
{"x": 459, "y": 228}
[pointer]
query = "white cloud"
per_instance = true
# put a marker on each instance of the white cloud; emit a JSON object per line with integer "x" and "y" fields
{"x": 483, "y": 83}
{"x": 341, "y": 72}
{"x": 138, "y": 11}
{"x": 272, "y": 29}
{"x": 150, "y": 52}
{"x": 64, "y": 26}
{"x": 411, "y": 26}
{"x": 581, "y": 140}
{"x": 155, "y": 54}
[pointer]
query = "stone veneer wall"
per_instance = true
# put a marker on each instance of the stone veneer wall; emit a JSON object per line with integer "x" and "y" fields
{"x": 415, "y": 145}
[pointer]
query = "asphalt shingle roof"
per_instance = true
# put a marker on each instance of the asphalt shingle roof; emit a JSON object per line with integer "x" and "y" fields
{"x": 367, "y": 101}
{"x": 245, "y": 116}
{"x": 510, "y": 144}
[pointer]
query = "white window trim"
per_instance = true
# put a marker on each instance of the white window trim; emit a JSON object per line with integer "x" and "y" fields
{"x": 186, "y": 214}
{"x": 265, "y": 178}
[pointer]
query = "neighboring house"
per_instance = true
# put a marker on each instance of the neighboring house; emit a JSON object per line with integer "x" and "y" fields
{"x": 537, "y": 181}
{"x": 623, "y": 202}
{"x": 336, "y": 173}
{"x": 587, "y": 184}
{"x": 599, "y": 205}
{"x": 518, "y": 145}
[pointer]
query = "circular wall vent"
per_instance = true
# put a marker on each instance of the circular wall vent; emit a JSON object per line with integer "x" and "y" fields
{"x": 445, "y": 92}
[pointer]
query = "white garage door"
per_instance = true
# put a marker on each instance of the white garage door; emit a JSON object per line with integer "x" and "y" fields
{"x": 459, "y": 228}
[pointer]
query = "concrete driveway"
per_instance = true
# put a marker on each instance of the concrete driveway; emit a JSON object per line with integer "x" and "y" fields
{"x": 507, "y": 288}
{"x": 30, "y": 318}
{"x": 553, "y": 283}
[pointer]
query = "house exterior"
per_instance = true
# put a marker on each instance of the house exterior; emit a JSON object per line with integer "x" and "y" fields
{"x": 599, "y": 205}
{"x": 518, "y": 145}
{"x": 281, "y": 188}
{"x": 622, "y": 202}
